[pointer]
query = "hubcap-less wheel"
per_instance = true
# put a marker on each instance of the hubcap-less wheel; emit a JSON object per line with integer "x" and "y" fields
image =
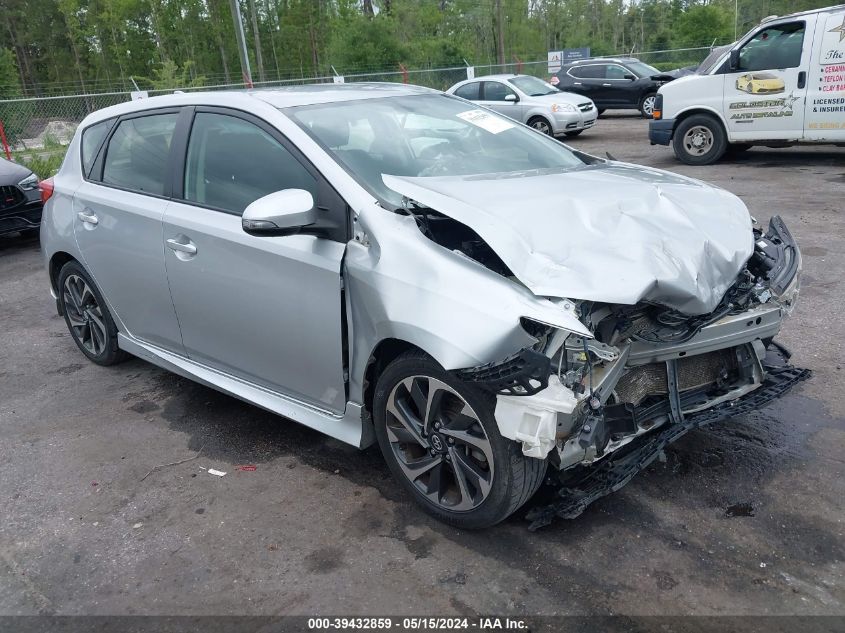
{"x": 85, "y": 315}
{"x": 698, "y": 140}
{"x": 439, "y": 443}
{"x": 648, "y": 106}
{"x": 541, "y": 126}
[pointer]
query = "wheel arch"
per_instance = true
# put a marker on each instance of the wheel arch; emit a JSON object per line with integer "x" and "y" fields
{"x": 57, "y": 261}
{"x": 385, "y": 352}
{"x": 685, "y": 114}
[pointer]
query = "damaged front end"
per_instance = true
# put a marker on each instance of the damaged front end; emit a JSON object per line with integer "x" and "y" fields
{"x": 601, "y": 408}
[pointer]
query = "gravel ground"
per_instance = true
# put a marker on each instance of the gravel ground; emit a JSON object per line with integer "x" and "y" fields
{"x": 742, "y": 518}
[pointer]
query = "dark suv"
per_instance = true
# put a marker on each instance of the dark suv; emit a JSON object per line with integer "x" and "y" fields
{"x": 623, "y": 83}
{"x": 20, "y": 199}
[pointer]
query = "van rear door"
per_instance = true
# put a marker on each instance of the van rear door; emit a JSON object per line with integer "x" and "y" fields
{"x": 764, "y": 97}
{"x": 825, "y": 114}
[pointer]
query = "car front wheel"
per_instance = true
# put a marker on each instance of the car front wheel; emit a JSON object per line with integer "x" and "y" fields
{"x": 647, "y": 105}
{"x": 441, "y": 441}
{"x": 541, "y": 125}
{"x": 699, "y": 140}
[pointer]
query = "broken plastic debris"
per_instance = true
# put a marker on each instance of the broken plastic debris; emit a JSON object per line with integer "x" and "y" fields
{"x": 246, "y": 467}
{"x": 762, "y": 565}
{"x": 218, "y": 473}
{"x": 137, "y": 525}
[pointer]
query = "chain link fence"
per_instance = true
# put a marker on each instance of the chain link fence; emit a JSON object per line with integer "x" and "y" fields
{"x": 36, "y": 130}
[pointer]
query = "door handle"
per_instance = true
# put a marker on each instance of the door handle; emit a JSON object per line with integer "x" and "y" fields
{"x": 802, "y": 79}
{"x": 607, "y": 85}
{"x": 179, "y": 247}
{"x": 576, "y": 83}
{"x": 88, "y": 218}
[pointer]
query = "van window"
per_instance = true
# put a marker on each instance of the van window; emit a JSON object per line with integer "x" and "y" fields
{"x": 232, "y": 162}
{"x": 92, "y": 138}
{"x": 773, "y": 48}
{"x": 136, "y": 156}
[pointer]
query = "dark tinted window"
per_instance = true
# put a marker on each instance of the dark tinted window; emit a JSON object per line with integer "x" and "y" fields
{"x": 136, "y": 157}
{"x": 616, "y": 72}
{"x": 469, "y": 91}
{"x": 494, "y": 91}
{"x": 232, "y": 163}
{"x": 92, "y": 138}
{"x": 590, "y": 71}
{"x": 773, "y": 48}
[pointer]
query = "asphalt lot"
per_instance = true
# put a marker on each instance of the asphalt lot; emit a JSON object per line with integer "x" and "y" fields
{"x": 742, "y": 518}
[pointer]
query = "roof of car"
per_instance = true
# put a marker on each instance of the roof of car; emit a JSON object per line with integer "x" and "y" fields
{"x": 284, "y": 97}
{"x": 592, "y": 60}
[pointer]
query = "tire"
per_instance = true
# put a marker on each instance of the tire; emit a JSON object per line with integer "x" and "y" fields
{"x": 573, "y": 134}
{"x": 699, "y": 140}
{"x": 541, "y": 125}
{"x": 601, "y": 111}
{"x": 646, "y": 106}
{"x": 460, "y": 440}
{"x": 88, "y": 320}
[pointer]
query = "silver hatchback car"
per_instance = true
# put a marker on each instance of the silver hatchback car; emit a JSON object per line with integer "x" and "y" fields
{"x": 532, "y": 101}
{"x": 388, "y": 263}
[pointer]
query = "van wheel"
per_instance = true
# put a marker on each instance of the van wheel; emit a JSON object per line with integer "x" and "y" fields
{"x": 647, "y": 105}
{"x": 441, "y": 441}
{"x": 88, "y": 320}
{"x": 699, "y": 140}
{"x": 540, "y": 124}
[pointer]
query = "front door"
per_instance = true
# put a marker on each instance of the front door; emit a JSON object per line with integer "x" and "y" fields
{"x": 501, "y": 98}
{"x": 825, "y": 113}
{"x": 117, "y": 224}
{"x": 764, "y": 98}
{"x": 265, "y": 309}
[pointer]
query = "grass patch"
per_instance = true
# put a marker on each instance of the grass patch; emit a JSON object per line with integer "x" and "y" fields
{"x": 44, "y": 164}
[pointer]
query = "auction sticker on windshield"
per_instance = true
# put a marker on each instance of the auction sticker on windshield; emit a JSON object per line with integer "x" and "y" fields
{"x": 486, "y": 121}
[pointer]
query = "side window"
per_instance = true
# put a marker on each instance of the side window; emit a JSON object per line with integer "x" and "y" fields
{"x": 494, "y": 91}
{"x": 469, "y": 91}
{"x": 136, "y": 156}
{"x": 589, "y": 71}
{"x": 232, "y": 163}
{"x": 616, "y": 72}
{"x": 773, "y": 48}
{"x": 92, "y": 138}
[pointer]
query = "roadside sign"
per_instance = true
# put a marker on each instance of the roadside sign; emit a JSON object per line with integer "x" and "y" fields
{"x": 557, "y": 58}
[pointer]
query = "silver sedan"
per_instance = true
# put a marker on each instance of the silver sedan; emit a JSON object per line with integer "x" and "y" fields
{"x": 531, "y": 101}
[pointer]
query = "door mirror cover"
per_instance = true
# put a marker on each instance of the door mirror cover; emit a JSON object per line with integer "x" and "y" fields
{"x": 284, "y": 212}
{"x": 511, "y": 97}
{"x": 733, "y": 62}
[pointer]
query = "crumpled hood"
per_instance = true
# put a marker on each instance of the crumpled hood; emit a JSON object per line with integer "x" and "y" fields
{"x": 614, "y": 233}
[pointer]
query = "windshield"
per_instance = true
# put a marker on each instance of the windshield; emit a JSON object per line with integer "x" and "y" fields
{"x": 532, "y": 86}
{"x": 642, "y": 70}
{"x": 425, "y": 135}
{"x": 707, "y": 65}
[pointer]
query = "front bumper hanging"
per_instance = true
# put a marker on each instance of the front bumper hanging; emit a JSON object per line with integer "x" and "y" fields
{"x": 580, "y": 486}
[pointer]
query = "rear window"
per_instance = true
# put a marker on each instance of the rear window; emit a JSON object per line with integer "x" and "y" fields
{"x": 92, "y": 139}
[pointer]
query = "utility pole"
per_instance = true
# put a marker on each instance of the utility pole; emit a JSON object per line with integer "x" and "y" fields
{"x": 259, "y": 58}
{"x": 736, "y": 19}
{"x": 500, "y": 34}
{"x": 239, "y": 35}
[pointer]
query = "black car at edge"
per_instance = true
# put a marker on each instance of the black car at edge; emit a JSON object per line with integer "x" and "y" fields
{"x": 20, "y": 199}
{"x": 618, "y": 83}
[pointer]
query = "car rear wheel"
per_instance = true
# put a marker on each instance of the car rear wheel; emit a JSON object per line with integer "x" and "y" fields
{"x": 441, "y": 441}
{"x": 647, "y": 105}
{"x": 540, "y": 124}
{"x": 87, "y": 317}
{"x": 699, "y": 140}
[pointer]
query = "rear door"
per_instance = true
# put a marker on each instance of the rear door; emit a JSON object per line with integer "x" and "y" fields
{"x": 264, "y": 309}
{"x": 117, "y": 221}
{"x": 587, "y": 79}
{"x": 765, "y": 98}
{"x": 825, "y": 112}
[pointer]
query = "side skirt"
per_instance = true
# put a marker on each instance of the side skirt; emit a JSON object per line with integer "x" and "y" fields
{"x": 348, "y": 428}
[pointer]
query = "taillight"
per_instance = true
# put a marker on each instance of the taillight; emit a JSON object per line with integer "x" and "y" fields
{"x": 46, "y": 187}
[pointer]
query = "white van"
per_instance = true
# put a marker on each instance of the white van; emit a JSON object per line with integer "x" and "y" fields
{"x": 781, "y": 84}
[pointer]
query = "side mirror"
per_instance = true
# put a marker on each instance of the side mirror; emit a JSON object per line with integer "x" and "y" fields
{"x": 733, "y": 62}
{"x": 629, "y": 77}
{"x": 511, "y": 97}
{"x": 284, "y": 212}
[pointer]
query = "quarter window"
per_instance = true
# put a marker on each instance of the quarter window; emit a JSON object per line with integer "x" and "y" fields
{"x": 232, "y": 163}
{"x": 92, "y": 138}
{"x": 469, "y": 91}
{"x": 136, "y": 157}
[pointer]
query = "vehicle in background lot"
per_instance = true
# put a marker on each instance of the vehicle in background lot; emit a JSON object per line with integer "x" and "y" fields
{"x": 782, "y": 84}
{"x": 390, "y": 263}
{"x": 620, "y": 83}
{"x": 20, "y": 199}
{"x": 532, "y": 101}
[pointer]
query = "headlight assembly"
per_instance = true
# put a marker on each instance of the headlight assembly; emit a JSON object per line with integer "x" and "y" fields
{"x": 29, "y": 183}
